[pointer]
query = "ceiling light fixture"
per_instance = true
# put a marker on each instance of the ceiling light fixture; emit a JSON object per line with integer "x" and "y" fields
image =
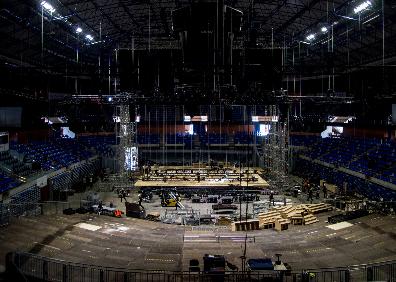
{"x": 310, "y": 37}
{"x": 47, "y": 6}
{"x": 364, "y": 6}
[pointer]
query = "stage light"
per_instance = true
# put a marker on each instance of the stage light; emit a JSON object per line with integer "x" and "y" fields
{"x": 324, "y": 29}
{"x": 310, "y": 37}
{"x": 110, "y": 99}
{"x": 364, "y": 6}
{"x": 89, "y": 37}
{"x": 47, "y": 6}
{"x": 79, "y": 30}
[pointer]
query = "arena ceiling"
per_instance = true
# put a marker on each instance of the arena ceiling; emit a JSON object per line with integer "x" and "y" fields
{"x": 121, "y": 24}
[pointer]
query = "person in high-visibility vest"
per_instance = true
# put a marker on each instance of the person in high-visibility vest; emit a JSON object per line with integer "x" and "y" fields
{"x": 117, "y": 213}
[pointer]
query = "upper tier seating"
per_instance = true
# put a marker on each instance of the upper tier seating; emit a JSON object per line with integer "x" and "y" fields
{"x": 55, "y": 154}
{"x": 7, "y": 182}
{"x": 101, "y": 144}
{"x": 368, "y": 156}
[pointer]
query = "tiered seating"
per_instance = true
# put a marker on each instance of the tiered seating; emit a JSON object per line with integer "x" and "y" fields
{"x": 242, "y": 138}
{"x": 354, "y": 184}
{"x": 101, "y": 144}
{"x": 304, "y": 140}
{"x": 14, "y": 165}
{"x": 216, "y": 138}
{"x": 179, "y": 139}
{"x": 7, "y": 183}
{"x": 366, "y": 156}
{"x": 153, "y": 139}
{"x": 54, "y": 155}
{"x": 25, "y": 201}
{"x": 61, "y": 181}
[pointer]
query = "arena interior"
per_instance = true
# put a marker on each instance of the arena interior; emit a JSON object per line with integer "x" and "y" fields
{"x": 199, "y": 140}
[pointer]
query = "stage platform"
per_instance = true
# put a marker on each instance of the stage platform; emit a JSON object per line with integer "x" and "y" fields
{"x": 202, "y": 177}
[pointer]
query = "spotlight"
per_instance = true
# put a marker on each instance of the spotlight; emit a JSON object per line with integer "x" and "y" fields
{"x": 89, "y": 37}
{"x": 324, "y": 29}
{"x": 311, "y": 37}
{"x": 79, "y": 30}
{"x": 47, "y": 6}
{"x": 364, "y": 6}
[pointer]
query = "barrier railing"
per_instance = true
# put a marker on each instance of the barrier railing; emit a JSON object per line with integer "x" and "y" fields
{"x": 38, "y": 268}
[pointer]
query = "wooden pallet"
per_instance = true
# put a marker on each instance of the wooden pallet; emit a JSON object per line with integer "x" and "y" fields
{"x": 319, "y": 208}
{"x": 281, "y": 224}
{"x": 252, "y": 224}
{"x": 309, "y": 219}
{"x": 267, "y": 219}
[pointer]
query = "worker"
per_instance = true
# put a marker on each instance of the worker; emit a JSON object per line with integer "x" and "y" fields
{"x": 117, "y": 213}
{"x": 324, "y": 189}
{"x": 271, "y": 198}
{"x": 310, "y": 194}
{"x": 100, "y": 208}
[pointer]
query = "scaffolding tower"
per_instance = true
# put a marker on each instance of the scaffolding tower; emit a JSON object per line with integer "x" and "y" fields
{"x": 274, "y": 156}
{"x": 127, "y": 152}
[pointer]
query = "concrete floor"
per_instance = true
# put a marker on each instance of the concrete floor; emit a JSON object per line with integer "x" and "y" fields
{"x": 139, "y": 244}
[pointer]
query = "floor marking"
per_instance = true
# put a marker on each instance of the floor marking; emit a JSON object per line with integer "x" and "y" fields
{"x": 340, "y": 225}
{"x": 87, "y": 226}
{"x": 55, "y": 248}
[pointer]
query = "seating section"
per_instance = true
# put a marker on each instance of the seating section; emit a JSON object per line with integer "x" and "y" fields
{"x": 55, "y": 154}
{"x": 148, "y": 139}
{"x": 179, "y": 139}
{"x": 65, "y": 180}
{"x": 304, "y": 140}
{"x": 25, "y": 201}
{"x": 14, "y": 165}
{"x": 243, "y": 138}
{"x": 101, "y": 144}
{"x": 368, "y": 156}
{"x": 7, "y": 182}
{"x": 355, "y": 184}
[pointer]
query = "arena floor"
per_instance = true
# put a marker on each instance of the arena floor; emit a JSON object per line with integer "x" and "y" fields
{"x": 139, "y": 244}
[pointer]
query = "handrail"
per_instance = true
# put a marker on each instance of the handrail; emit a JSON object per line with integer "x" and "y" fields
{"x": 13, "y": 255}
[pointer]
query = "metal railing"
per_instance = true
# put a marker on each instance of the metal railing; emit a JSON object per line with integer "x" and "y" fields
{"x": 38, "y": 268}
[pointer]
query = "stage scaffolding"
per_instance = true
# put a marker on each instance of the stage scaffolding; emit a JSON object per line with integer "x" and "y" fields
{"x": 125, "y": 132}
{"x": 273, "y": 152}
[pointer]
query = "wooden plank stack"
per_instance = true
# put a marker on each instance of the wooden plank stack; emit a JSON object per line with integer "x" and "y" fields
{"x": 318, "y": 208}
{"x": 280, "y": 217}
{"x": 249, "y": 225}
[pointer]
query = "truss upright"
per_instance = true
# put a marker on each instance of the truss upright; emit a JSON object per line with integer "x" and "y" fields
{"x": 125, "y": 130}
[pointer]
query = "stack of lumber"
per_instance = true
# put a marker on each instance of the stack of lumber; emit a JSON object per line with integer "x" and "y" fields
{"x": 294, "y": 214}
{"x": 309, "y": 219}
{"x": 267, "y": 219}
{"x": 318, "y": 208}
{"x": 248, "y": 225}
{"x": 281, "y": 224}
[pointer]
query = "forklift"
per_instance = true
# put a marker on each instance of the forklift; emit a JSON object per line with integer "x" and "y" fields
{"x": 170, "y": 199}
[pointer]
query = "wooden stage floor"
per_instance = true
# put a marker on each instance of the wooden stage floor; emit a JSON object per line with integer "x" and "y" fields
{"x": 185, "y": 177}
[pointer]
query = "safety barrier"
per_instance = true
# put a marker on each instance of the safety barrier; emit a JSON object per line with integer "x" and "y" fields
{"x": 38, "y": 268}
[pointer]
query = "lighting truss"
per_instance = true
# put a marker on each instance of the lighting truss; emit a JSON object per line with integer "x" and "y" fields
{"x": 363, "y": 6}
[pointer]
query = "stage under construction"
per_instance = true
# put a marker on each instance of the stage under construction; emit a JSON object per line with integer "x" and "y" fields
{"x": 197, "y": 176}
